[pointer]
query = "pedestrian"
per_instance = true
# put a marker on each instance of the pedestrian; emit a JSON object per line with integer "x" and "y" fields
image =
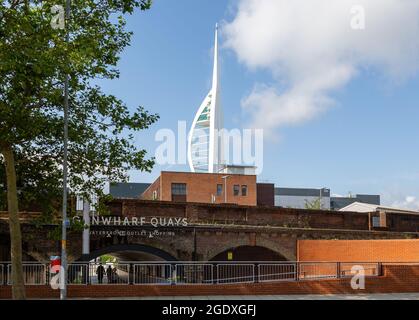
{"x": 100, "y": 271}
{"x": 109, "y": 274}
{"x": 115, "y": 275}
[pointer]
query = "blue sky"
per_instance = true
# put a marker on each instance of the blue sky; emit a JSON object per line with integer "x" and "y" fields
{"x": 367, "y": 142}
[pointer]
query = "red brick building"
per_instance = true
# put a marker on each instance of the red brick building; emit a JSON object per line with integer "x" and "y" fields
{"x": 204, "y": 188}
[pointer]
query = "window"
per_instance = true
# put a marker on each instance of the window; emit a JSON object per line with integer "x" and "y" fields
{"x": 244, "y": 190}
{"x": 179, "y": 192}
{"x": 154, "y": 195}
{"x": 236, "y": 189}
{"x": 179, "y": 189}
{"x": 376, "y": 222}
{"x": 219, "y": 189}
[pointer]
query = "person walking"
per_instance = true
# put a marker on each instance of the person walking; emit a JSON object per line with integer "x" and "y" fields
{"x": 100, "y": 271}
{"x": 109, "y": 274}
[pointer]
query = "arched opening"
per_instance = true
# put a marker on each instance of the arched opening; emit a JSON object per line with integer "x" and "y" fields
{"x": 121, "y": 264}
{"x": 248, "y": 253}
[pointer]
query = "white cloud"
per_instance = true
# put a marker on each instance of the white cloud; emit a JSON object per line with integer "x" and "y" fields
{"x": 409, "y": 202}
{"x": 311, "y": 50}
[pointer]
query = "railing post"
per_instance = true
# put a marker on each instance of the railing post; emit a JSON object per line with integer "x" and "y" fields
{"x": 46, "y": 274}
{"x": 131, "y": 274}
{"x": 3, "y": 273}
{"x": 173, "y": 274}
{"x": 214, "y": 273}
{"x": 256, "y": 273}
{"x": 297, "y": 271}
{"x": 338, "y": 270}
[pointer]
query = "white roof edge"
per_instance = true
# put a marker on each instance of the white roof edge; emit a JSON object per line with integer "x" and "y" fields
{"x": 376, "y": 207}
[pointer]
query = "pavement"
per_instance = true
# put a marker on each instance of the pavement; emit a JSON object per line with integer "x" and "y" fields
{"x": 381, "y": 296}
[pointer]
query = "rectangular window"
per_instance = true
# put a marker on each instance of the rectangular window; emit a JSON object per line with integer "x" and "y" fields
{"x": 236, "y": 189}
{"x": 219, "y": 189}
{"x": 179, "y": 192}
{"x": 376, "y": 222}
{"x": 244, "y": 190}
{"x": 179, "y": 189}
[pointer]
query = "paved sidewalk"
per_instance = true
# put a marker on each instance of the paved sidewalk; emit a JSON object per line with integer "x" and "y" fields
{"x": 383, "y": 296}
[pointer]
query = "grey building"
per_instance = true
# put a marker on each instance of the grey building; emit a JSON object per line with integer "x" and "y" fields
{"x": 127, "y": 190}
{"x": 337, "y": 203}
{"x": 301, "y": 197}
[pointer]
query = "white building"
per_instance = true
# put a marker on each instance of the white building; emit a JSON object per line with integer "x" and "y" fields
{"x": 366, "y": 207}
{"x": 205, "y": 152}
{"x": 378, "y": 212}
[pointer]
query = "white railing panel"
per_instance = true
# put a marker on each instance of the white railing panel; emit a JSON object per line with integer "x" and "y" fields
{"x": 153, "y": 273}
{"x": 194, "y": 273}
{"x": 318, "y": 270}
{"x": 235, "y": 273}
{"x": 33, "y": 274}
{"x": 271, "y": 272}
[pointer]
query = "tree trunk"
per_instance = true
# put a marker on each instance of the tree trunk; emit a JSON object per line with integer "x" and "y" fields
{"x": 18, "y": 288}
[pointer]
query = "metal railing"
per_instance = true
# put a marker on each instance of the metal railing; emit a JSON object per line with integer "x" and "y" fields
{"x": 188, "y": 273}
{"x": 235, "y": 273}
{"x": 153, "y": 273}
{"x": 1, "y": 275}
{"x": 272, "y": 272}
{"x": 318, "y": 270}
{"x": 194, "y": 273}
{"x": 109, "y": 273}
{"x": 33, "y": 273}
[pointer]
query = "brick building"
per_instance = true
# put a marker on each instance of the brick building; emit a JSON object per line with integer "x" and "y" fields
{"x": 204, "y": 188}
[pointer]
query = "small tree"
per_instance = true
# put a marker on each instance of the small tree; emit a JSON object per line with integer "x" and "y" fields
{"x": 313, "y": 205}
{"x": 34, "y": 59}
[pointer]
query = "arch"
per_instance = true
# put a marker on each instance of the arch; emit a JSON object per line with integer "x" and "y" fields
{"x": 249, "y": 253}
{"x": 129, "y": 247}
{"x": 285, "y": 247}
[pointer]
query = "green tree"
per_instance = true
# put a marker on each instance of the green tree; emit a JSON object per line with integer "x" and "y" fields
{"x": 313, "y": 205}
{"x": 34, "y": 59}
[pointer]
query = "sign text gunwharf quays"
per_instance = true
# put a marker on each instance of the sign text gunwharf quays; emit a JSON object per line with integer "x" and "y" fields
{"x": 100, "y": 220}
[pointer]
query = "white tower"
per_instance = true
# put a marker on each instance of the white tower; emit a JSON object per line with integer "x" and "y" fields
{"x": 205, "y": 152}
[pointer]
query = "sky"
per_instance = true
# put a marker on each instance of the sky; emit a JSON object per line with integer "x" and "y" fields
{"x": 335, "y": 91}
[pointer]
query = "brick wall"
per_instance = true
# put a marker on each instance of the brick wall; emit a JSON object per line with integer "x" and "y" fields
{"x": 201, "y": 187}
{"x": 403, "y": 250}
{"x": 395, "y": 279}
{"x": 254, "y": 215}
{"x": 148, "y": 193}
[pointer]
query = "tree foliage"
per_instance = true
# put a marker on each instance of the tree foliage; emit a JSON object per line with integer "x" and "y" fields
{"x": 34, "y": 59}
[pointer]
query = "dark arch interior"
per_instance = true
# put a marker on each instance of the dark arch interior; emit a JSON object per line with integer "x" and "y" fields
{"x": 249, "y": 253}
{"x": 133, "y": 252}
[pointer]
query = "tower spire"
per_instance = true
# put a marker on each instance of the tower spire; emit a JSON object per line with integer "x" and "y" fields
{"x": 215, "y": 69}
{"x": 204, "y": 142}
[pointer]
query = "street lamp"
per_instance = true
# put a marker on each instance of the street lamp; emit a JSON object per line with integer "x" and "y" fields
{"x": 225, "y": 187}
{"x": 63, "y": 278}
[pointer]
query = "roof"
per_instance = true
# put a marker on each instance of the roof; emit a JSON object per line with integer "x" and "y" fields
{"x": 367, "y": 207}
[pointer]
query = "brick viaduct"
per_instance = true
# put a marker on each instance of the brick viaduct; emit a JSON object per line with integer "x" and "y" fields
{"x": 250, "y": 233}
